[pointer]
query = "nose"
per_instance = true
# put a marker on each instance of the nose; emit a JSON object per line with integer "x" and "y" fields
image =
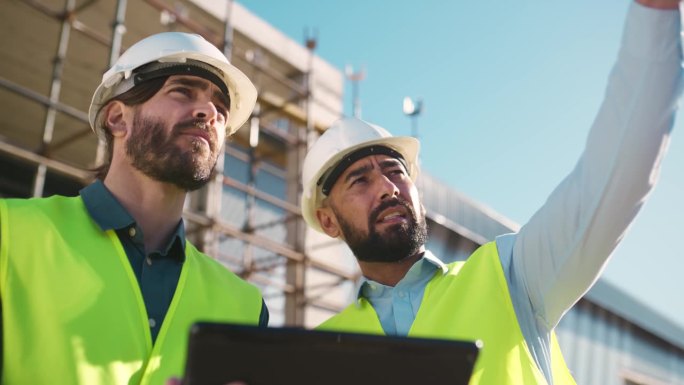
{"x": 206, "y": 111}
{"x": 387, "y": 188}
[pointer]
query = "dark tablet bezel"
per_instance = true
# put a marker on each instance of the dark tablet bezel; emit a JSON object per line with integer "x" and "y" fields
{"x": 219, "y": 353}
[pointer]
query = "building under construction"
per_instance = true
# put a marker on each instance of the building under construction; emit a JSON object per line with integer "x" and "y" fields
{"x": 54, "y": 54}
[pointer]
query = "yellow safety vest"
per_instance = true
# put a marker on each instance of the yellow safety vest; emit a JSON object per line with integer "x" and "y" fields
{"x": 470, "y": 302}
{"x": 72, "y": 308}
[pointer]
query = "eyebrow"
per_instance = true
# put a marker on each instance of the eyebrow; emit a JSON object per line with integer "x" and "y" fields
{"x": 357, "y": 172}
{"x": 384, "y": 164}
{"x": 389, "y": 163}
{"x": 202, "y": 85}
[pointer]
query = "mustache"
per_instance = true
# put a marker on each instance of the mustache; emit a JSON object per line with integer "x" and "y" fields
{"x": 178, "y": 129}
{"x": 191, "y": 123}
{"x": 395, "y": 201}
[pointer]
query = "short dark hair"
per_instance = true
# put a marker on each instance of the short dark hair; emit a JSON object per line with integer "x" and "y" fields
{"x": 137, "y": 95}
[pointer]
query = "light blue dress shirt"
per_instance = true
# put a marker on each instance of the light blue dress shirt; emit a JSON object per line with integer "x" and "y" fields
{"x": 397, "y": 306}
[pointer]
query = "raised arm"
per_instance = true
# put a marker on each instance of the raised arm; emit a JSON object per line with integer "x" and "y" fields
{"x": 564, "y": 247}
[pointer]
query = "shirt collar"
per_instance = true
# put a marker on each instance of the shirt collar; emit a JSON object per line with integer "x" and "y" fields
{"x": 431, "y": 258}
{"x": 105, "y": 210}
{"x": 109, "y": 214}
{"x": 427, "y": 264}
{"x": 176, "y": 240}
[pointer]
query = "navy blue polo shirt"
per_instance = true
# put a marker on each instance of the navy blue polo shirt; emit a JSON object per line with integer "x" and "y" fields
{"x": 157, "y": 271}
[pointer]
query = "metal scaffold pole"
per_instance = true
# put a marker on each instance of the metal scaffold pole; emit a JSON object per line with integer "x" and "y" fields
{"x": 295, "y": 300}
{"x": 55, "y": 88}
{"x": 118, "y": 30}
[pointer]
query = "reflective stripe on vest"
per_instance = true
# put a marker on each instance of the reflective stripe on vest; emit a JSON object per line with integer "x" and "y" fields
{"x": 470, "y": 302}
{"x": 72, "y": 308}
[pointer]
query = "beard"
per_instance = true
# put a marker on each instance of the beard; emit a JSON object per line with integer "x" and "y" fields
{"x": 396, "y": 243}
{"x": 155, "y": 153}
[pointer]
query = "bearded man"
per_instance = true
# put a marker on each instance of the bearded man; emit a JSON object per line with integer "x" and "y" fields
{"x": 102, "y": 288}
{"x": 359, "y": 186}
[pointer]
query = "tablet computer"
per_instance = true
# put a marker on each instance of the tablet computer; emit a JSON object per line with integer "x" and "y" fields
{"x": 219, "y": 353}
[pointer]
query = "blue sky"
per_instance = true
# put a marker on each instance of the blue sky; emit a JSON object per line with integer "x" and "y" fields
{"x": 510, "y": 90}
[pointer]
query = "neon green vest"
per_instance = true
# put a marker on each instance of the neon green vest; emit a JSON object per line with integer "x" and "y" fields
{"x": 470, "y": 302}
{"x": 72, "y": 308}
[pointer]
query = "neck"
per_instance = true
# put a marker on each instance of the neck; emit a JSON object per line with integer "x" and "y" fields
{"x": 389, "y": 273}
{"x": 156, "y": 207}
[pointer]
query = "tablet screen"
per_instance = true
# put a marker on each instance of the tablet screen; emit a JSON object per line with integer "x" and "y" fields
{"x": 220, "y": 353}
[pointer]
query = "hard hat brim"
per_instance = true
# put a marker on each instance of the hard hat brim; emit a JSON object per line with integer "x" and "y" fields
{"x": 243, "y": 94}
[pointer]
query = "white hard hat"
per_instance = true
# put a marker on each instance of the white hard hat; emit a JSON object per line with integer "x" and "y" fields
{"x": 169, "y": 49}
{"x": 338, "y": 146}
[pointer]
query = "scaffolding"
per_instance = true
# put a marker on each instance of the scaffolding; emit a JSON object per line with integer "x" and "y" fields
{"x": 248, "y": 216}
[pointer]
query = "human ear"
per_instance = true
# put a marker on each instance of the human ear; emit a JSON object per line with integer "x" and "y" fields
{"x": 115, "y": 120}
{"x": 328, "y": 221}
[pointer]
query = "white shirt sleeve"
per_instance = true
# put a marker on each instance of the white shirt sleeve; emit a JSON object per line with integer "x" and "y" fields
{"x": 562, "y": 250}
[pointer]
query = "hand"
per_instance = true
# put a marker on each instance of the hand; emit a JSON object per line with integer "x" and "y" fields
{"x": 660, "y": 4}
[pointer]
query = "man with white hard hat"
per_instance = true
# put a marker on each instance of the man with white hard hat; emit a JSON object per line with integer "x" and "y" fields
{"x": 359, "y": 186}
{"x": 103, "y": 288}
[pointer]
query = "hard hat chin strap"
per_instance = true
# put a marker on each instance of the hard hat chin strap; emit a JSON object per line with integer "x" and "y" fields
{"x": 328, "y": 179}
